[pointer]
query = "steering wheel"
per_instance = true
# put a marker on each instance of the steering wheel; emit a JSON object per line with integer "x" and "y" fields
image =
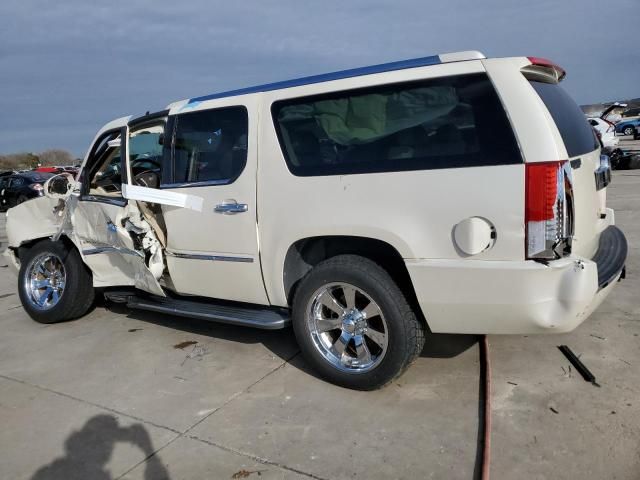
{"x": 148, "y": 178}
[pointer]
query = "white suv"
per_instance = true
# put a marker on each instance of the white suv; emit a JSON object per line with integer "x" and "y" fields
{"x": 367, "y": 207}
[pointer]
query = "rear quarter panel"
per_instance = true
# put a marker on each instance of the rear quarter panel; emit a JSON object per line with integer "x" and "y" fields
{"x": 415, "y": 212}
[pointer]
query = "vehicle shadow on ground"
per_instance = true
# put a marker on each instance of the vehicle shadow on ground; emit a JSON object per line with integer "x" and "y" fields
{"x": 279, "y": 342}
{"x": 88, "y": 451}
{"x": 282, "y": 343}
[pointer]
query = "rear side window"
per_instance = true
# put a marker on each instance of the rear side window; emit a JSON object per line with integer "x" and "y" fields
{"x": 210, "y": 145}
{"x": 577, "y": 135}
{"x": 439, "y": 123}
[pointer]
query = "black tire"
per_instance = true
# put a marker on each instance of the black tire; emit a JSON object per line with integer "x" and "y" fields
{"x": 21, "y": 199}
{"x": 629, "y": 131}
{"x": 78, "y": 294}
{"x": 406, "y": 333}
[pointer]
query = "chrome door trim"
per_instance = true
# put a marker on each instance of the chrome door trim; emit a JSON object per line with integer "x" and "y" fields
{"x": 214, "y": 258}
{"x": 117, "y": 201}
{"x": 98, "y": 250}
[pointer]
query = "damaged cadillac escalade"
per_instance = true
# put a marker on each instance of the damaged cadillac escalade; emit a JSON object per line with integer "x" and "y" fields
{"x": 450, "y": 193}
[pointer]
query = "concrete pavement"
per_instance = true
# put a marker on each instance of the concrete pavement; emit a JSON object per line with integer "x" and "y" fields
{"x": 120, "y": 394}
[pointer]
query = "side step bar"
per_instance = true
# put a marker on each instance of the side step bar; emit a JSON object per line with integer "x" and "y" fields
{"x": 257, "y": 316}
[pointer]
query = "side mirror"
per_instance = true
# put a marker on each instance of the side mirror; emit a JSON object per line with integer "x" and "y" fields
{"x": 59, "y": 186}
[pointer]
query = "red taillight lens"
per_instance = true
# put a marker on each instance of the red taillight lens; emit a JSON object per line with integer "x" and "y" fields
{"x": 542, "y": 191}
{"x": 548, "y": 208}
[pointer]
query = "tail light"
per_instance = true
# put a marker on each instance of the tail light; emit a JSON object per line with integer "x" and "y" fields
{"x": 548, "y": 210}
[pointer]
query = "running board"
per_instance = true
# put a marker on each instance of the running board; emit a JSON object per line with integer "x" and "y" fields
{"x": 247, "y": 316}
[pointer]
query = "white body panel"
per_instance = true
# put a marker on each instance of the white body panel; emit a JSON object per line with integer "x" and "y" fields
{"x": 209, "y": 253}
{"x": 414, "y": 212}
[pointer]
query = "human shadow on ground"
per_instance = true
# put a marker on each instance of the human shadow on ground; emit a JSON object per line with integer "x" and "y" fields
{"x": 88, "y": 451}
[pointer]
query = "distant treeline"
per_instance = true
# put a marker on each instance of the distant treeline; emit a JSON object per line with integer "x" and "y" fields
{"x": 26, "y": 160}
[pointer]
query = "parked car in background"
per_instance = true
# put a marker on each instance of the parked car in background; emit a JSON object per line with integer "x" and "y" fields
{"x": 20, "y": 187}
{"x": 629, "y": 127}
{"x": 632, "y": 112}
{"x": 48, "y": 169}
{"x": 607, "y": 131}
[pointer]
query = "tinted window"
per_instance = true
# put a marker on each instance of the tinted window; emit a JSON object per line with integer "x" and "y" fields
{"x": 210, "y": 145}
{"x": 576, "y": 133}
{"x": 145, "y": 154}
{"x": 440, "y": 123}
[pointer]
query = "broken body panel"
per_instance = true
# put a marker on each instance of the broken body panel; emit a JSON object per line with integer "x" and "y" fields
{"x": 113, "y": 237}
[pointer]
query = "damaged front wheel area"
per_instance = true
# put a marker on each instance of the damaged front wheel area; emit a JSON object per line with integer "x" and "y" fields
{"x": 53, "y": 283}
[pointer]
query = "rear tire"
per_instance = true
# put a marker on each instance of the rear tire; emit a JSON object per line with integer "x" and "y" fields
{"x": 365, "y": 340}
{"x": 21, "y": 199}
{"x": 53, "y": 283}
{"x": 629, "y": 131}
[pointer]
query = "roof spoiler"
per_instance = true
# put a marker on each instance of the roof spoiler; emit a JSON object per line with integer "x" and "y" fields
{"x": 543, "y": 70}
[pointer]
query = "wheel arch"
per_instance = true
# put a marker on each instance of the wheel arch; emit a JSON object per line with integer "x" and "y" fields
{"x": 26, "y": 245}
{"x": 305, "y": 253}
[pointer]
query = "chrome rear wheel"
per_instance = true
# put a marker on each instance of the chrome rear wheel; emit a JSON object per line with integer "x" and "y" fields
{"x": 347, "y": 327}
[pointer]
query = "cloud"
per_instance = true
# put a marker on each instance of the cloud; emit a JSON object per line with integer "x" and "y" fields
{"x": 68, "y": 67}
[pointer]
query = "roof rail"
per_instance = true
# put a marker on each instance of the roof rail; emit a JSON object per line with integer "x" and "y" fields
{"x": 352, "y": 72}
{"x": 461, "y": 56}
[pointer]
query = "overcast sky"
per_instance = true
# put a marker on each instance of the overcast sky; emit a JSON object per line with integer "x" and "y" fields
{"x": 68, "y": 67}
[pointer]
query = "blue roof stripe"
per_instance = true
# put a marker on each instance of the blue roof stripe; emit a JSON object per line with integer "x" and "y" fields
{"x": 325, "y": 77}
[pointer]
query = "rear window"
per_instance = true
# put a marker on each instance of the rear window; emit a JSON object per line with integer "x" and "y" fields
{"x": 577, "y": 134}
{"x": 431, "y": 124}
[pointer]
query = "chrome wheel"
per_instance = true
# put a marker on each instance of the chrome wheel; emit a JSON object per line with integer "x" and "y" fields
{"x": 45, "y": 281}
{"x": 347, "y": 327}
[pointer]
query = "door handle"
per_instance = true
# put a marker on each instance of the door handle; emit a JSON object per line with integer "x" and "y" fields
{"x": 231, "y": 207}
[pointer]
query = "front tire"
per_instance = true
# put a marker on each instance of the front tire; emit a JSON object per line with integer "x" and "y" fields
{"x": 53, "y": 283}
{"x": 354, "y": 325}
{"x": 629, "y": 131}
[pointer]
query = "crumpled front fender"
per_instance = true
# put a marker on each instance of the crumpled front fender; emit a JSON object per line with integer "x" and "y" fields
{"x": 32, "y": 220}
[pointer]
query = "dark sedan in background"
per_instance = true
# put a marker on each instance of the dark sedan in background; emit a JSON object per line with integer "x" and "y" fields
{"x": 20, "y": 187}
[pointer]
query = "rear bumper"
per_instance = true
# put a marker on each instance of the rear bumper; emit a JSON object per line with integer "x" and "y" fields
{"x": 476, "y": 296}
